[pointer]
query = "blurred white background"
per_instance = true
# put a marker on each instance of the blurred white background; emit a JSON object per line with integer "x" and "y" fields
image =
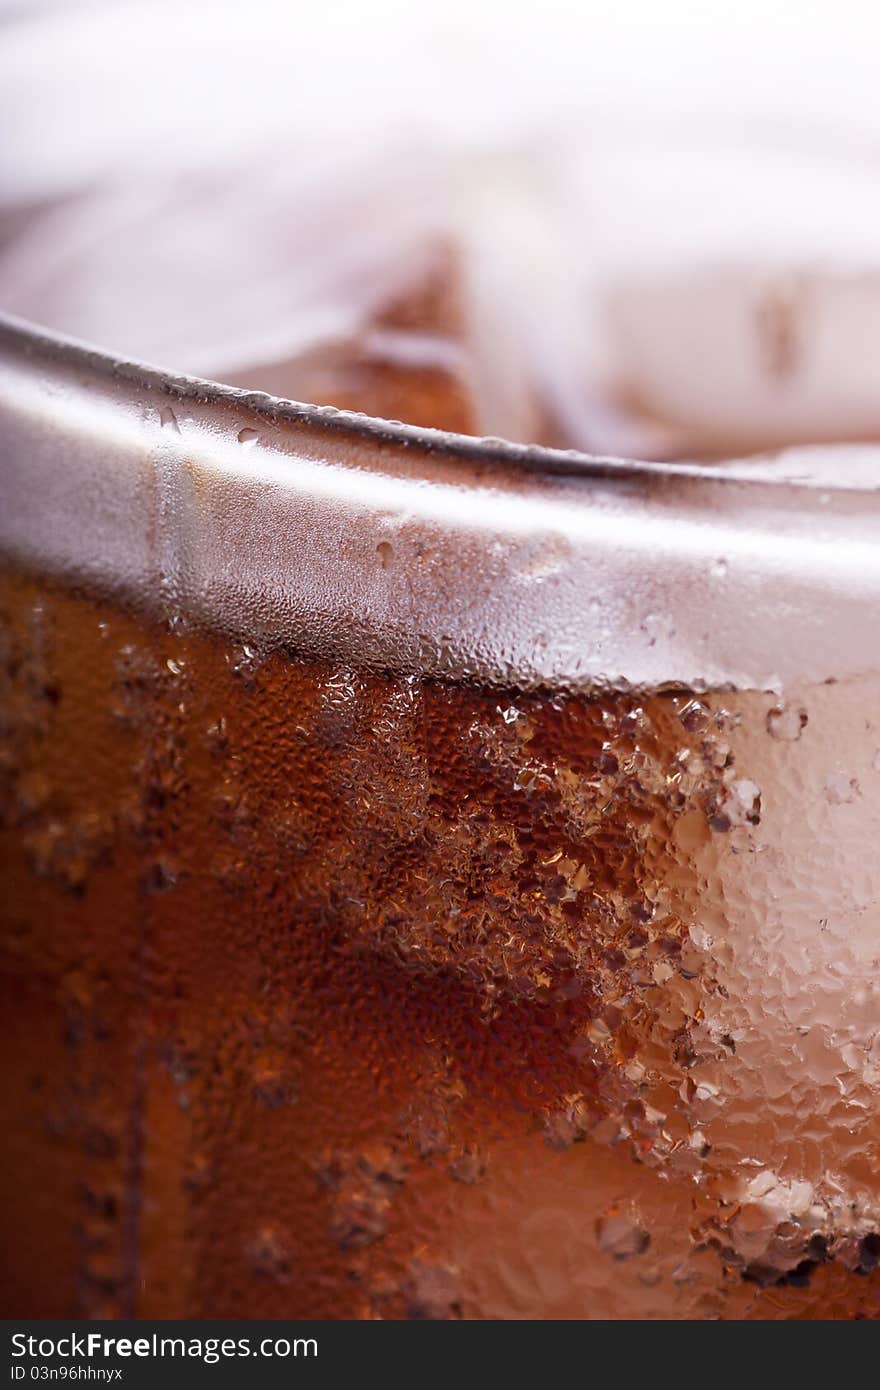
{"x": 163, "y": 82}
{"x": 667, "y": 215}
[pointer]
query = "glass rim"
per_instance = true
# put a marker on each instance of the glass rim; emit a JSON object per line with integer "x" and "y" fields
{"x": 377, "y": 543}
{"x": 755, "y": 469}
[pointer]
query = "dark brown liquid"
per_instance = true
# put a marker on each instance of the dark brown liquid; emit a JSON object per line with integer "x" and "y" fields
{"x": 335, "y": 993}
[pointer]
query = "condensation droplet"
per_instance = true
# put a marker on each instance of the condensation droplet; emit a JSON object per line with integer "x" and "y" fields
{"x": 841, "y": 790}
{"x": 247, "y": 436}
{"x": 469, "y": 1167}
{"x": 786, "y": 723}
{"x": 547, "y": 562}
{"x": 385, "y": 551}
{"x": 168, "y": 420}
{"x": 619, "y": 1236}
{"x": 738, "y": 803}
{"x": 269, "y": 1256}
{"x": 694, "y": 717}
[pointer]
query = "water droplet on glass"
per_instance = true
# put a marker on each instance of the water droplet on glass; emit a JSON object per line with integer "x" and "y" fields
{"x": 841, "y": 790}
{"x": 694, "y": 717}
{"x": 786, "y": 723}
{"x": 738, "y": 804}
{"x": 619, "y": 1236}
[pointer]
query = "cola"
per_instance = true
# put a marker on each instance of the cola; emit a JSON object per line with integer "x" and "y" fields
{"x": 362, "y": 994}
{"x": 367, "y": 956}
{"x": 438, "y": 870}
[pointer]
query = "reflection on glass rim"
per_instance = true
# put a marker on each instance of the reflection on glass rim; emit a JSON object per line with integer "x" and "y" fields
{"x": 413, "y": 550}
